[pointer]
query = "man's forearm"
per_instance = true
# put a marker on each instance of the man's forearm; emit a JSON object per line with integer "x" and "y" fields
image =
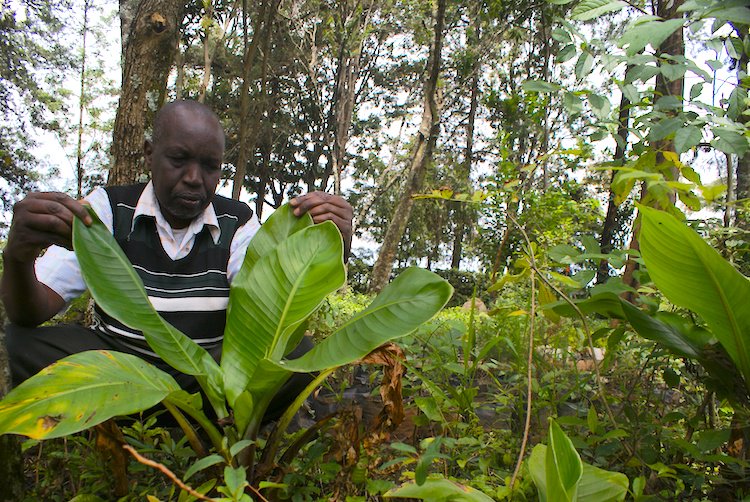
{"x": 27, "y": 301}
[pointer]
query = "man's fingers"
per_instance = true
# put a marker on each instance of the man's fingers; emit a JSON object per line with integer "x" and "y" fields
{"x": 75, "y": 207}
{"x": 319, "y": 202}
{"x": 42, "y": 219}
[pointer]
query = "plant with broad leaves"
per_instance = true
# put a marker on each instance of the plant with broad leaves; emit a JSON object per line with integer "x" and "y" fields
{"x": 692, "y": 275}
{"x": 290, "y": 267}
{"x": 560, "y": 475}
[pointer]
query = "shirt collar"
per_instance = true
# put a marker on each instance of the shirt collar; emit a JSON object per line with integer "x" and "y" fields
{"x": 148, "y": 205}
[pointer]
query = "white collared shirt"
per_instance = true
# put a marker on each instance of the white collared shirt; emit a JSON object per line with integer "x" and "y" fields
{"x": 58, "y": 268}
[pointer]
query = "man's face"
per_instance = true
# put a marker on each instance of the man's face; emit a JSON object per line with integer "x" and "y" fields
{"x": 185, "y": 163}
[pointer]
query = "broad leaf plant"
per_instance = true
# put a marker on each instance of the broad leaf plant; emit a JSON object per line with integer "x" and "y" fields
{"x": 291, "y": 265}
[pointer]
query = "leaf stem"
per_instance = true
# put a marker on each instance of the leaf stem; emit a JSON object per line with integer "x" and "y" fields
{"x": 213, "y": 433}
{"x": 272, "y": 445}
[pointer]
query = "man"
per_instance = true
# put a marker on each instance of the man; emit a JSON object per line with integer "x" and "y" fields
{"x": 185, "y": 242}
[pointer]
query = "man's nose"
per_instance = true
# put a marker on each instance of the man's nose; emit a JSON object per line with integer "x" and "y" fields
{"x": 192, "y": 173}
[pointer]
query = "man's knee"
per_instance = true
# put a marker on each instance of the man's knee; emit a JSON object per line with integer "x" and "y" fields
{"x": 32, "y": 349}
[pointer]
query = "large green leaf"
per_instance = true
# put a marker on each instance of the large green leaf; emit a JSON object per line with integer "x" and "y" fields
{"x": 438, "y": 490}
{"x": 414, "y": 297}
{"x": 602, "y": 486}
{"x": 595, "y": 484}
{"x": 563, "y": 465}
{"x": 606, "y": 304}
{"x": 647, "y": 31}
{"x": 693, "y": 275}
{"x": 281, "y": 290}
{"x": 80, "y": 391}
{"x": 668, "y": 334}
{"x": 589, "y": 9}
{"x": 281, "y": 224}
{"x": 118, "y": 290}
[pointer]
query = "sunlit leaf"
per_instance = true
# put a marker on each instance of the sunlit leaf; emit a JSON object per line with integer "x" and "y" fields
{"x": 281, "y": 290}
{"x": 80, "y": 391}
{"x": 589, "y": 9}
{"x": 411, "y": 299}
{"x": 652, "y": 32}
{"x": 105, "y": 268}
{"x": 584, "y": 65}
{"x": 438, "y": 490}
{"x": 563, "y": 466}
{"x": 693, "y": 275}
{"x": 572, "y": 103}
{"x": 686, "y": 138}
{"x": 539, "y": 86}
{"x": 730, "y": 142}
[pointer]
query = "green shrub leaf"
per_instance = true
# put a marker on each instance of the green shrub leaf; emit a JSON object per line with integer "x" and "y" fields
{"x": 80, "y": 391}
{"x": 438, "y": 490}
{"x": 107, "y": 270}
{"x": 269, "y": 302}
{"x": 693, "y": 275}
{"x": 563, "y": 466}
{"x": 411, "y": 299}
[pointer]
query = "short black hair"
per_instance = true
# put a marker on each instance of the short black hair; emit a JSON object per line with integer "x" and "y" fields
{"x": 188, "y": 104}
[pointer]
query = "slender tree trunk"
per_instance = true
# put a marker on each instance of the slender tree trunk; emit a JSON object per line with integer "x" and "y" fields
{"x": 149, "y": 54}
{"x": 610, "y": 220}
{"x": 208, "y": 54}
{"x": 11, "y": 460}
{"x": 742, "y": 192}
{"x": 463, "y": 212}
{"x": 386, "y": 180}
{"x": 347, "y": 72}
{"x": 179, "y": 63}
{"x": 421, "y": 157}
{"x": 546, "y": 39}
{"x": 731, "y": 196}
{"x": 262, "y": 30}
{"x": 742, "y": 213}
{"x": 82, "y": 101}
{"x": 674, "y": 45}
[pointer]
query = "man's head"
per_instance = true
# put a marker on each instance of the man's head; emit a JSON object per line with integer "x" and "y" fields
{"x": 185, "y": 157}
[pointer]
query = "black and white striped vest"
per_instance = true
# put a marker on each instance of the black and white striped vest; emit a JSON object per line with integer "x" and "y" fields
{"x": 190, "y": 293}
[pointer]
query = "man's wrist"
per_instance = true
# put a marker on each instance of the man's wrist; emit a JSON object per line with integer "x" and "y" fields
{"x": 11, "y": 258}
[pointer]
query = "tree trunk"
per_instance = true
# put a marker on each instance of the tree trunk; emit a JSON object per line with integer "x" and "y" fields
{"x": 463, "y": 212}
{"x": 82, "y": 101}
{"x": 674, "y": 45}
{"x": 742, "y": 192}
{"x": 347, "y": 72}
{"x": 127, "y": 11}
{"x": 149, "y": 54}
{"x": 421, "y": 157}
{"x": 261, "y": 34}
{"x": 11, "y": 460}
{"x": 610, "y": 220}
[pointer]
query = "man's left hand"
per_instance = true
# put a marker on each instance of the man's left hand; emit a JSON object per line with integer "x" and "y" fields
{"x": 324, "y": 206}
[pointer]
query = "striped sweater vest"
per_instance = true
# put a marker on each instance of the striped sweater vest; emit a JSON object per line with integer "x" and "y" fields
{"x": 190, "y": 293}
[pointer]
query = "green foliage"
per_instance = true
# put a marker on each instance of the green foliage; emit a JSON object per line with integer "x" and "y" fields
{"x": 31, "y": 44}
{"x": 705, "y": 284}
{"x": 438, "y": 490}
{"x": 289, "y": 268}
{"x": 560, "y": 475}
{"x": 67, "y": 397}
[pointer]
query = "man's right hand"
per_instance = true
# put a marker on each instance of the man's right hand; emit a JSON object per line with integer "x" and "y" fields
{"x": 40, "y": 220}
